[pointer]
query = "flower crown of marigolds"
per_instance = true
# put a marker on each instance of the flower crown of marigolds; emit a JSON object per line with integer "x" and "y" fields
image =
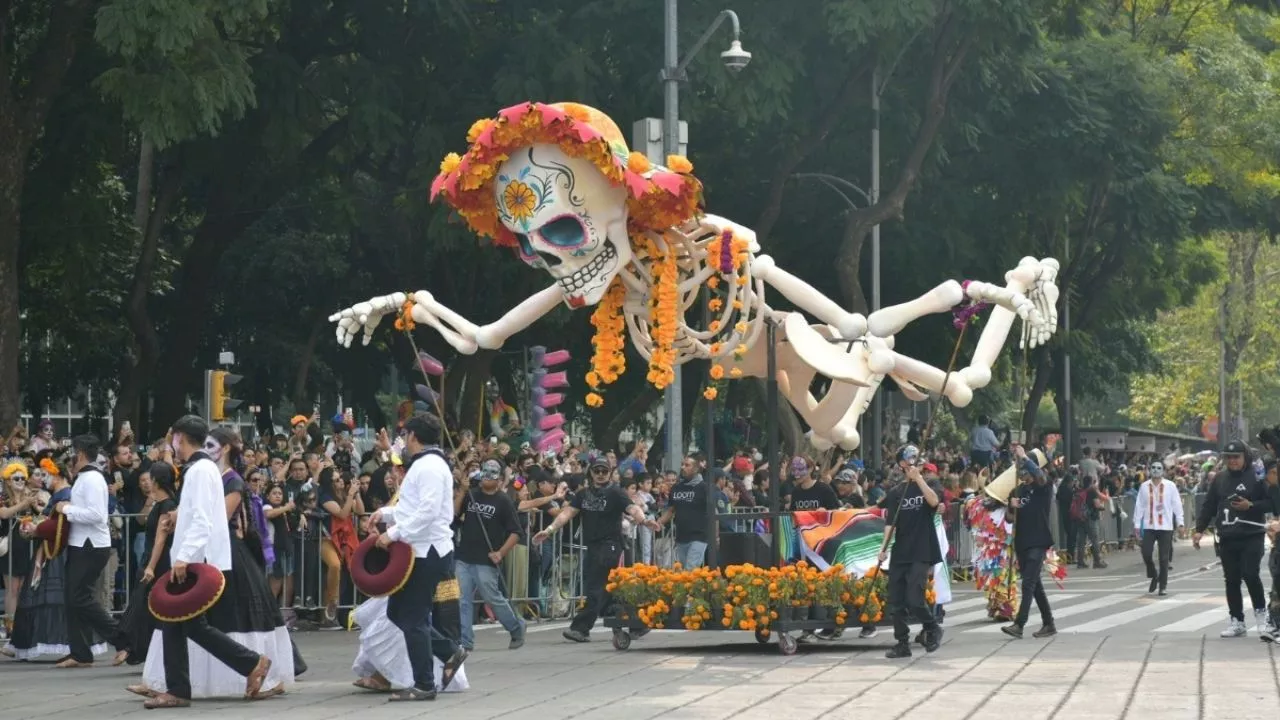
{"x": 657, "y": 197}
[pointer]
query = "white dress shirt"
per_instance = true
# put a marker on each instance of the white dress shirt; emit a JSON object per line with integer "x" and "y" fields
{"x": 201, "y": 533}
{"x": 423, "y": 516}
{"x": 87, "y": 510}
{"x": 1158, "y": 507}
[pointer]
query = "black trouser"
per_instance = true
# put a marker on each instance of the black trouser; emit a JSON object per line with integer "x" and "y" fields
{"x": 907, "y": 582}
{"x": 1273, "y": 564}
{"x": 600, "y": 559}
{"x": 177, "y": 672}
{"x": 84, "y": 614}
{"x": 1030, "y": 561}
{"x": 410, "y": 610}
{"x": 1242, "y": 560}
{"x": 1066, "y": 531}
{"x": 1150, "y": 538}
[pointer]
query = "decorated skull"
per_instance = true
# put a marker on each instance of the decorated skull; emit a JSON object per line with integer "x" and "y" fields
{"x": 1157, "y": 470}
{"x": 567, "y": 218}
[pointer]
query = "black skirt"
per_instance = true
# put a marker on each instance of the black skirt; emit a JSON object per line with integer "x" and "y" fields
{"x": 138, "y": 623}
{"x": 18, "y": 561}
{"x": 246, "y": 604}
{"x": 40, "y": 623}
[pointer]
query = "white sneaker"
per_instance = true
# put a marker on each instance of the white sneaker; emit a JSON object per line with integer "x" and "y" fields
{"x": 1262, "y": 620}
{"x": 1235, "y": 629}
{"x": 868, "y": 632}
{"x": 1269, "y": 633}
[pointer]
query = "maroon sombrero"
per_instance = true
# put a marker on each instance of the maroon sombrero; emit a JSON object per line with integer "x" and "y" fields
{"x": 381, "y": 571}
{"x": 54, "y": 532}
{"x": 174, "y": 602}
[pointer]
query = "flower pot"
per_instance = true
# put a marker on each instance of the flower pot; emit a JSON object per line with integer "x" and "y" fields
{"x": 675, "y": 618}
{"x": 851, "y": 611}
{"x": 800, "y": 612}
{"x": 819, "y": 612}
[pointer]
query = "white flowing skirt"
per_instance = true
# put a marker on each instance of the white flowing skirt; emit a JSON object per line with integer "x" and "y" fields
{"x": 210, "y": 678}
{"x": 382, "y": 650}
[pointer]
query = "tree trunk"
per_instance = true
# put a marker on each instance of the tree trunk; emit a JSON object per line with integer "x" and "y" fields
{"x": 28, "y": 86}
{"x": 12, "y": 178}
{"x": 471, "y": 410}
{"x": 225, "y": 221}
{"x": 139, "y": 369}
{"x": 299, "y": 395}
{"x": 1042, "y": 375}
{"x": 606, "y": 437}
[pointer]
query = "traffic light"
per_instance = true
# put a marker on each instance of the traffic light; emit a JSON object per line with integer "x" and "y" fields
{"x": 546, "y": 432}
{"x": 219, "y": 383}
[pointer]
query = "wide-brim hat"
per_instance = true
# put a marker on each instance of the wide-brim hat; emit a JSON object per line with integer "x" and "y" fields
{"x": 54, "y": 532}
{"x": 658, "y": 197}
{"x": 381, "y": 571}
{"x": 175, "y": 602}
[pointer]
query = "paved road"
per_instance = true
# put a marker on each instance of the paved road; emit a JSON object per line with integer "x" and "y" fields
{"x": 1120, "y": 654}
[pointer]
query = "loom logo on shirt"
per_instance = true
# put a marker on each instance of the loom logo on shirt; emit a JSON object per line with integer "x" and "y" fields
{"x": 808, "y": 504}
{"x": 684, "y": 496}
{"x": 913, "y": 503}
{"x": 484, "y": 510}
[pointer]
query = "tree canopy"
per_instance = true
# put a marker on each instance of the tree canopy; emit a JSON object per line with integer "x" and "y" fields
{"x": 185, "y": 178}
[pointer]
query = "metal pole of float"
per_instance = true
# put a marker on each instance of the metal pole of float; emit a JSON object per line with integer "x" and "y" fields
{"x": 671, "y": 146}
{"x": 877, "y": 400}
{"x": 709, "y": 443}
{"x": 771, "y": 431}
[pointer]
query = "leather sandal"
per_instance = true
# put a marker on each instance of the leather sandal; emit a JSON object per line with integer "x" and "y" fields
{"x": 121, "y": 658}
{"x": 369, "y": 683}
{"x": 142, "y": 690}
{"x": 166, "y": 701}
{"x": 253, "y": 684}
{"x": 72, "y": 663}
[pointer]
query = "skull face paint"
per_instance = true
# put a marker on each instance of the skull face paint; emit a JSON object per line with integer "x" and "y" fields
{"x": 567, "y": 218}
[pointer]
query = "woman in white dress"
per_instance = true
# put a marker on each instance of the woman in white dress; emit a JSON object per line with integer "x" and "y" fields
{"x": 247, "y": 612}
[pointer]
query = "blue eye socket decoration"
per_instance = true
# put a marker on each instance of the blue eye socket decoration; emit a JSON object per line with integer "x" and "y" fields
{"x": 564, "y": 232}
{"x": 526, "y": 247}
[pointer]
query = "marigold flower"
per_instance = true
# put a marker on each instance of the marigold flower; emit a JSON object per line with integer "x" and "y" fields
{"x": 680, "y": 164}
{"x": 717, "y": 372}
{"x": 638, "y": 163}
{"x": 594, "y": 400}
{"x": 709, "y": 393}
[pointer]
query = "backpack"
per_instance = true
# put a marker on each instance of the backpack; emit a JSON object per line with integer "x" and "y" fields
{"x": 1078, "y": 502}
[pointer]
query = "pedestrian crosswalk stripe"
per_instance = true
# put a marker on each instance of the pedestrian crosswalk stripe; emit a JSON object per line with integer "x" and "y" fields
{"x": 962, "y": 604}
{"x": 1153, "y": 607}
{"x": 981, "y": 615}
{"x": 1099, "y": 604}
{"x": 1196, "y": 622}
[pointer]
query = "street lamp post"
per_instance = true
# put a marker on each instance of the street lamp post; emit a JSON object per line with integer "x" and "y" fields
{"x": 673, "y": 72}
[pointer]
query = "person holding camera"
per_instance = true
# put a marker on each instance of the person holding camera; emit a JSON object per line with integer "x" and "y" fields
{"x": 1236, "y": 502}
{"x": 910, "y": 507}
{"x": 1032, "y": 541}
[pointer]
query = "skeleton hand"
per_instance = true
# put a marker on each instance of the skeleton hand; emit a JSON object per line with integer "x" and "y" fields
{"x": 365, "y": 315}
{"x": 1044, "y": 294}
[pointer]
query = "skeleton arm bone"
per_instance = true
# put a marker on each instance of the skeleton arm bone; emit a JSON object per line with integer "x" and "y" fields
{"x": 806, "y": 297}
{"x": 459, "y": 332}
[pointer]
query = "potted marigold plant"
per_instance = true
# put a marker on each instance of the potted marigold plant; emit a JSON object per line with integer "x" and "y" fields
{"x": 828, "y": 587}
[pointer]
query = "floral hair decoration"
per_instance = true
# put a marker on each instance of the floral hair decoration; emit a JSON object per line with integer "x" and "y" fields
{"x": 50, "y": 467}
{"x": 658, "y": 197}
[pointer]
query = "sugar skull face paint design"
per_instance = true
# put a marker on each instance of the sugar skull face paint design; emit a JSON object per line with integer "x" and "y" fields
{"x": 567, "y": 218}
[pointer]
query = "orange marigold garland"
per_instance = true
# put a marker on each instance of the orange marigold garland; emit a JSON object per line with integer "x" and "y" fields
{"x": 726, "y": 254}
{"x": 609, "y": 360}
{"x": 664, "y": 314}
{"x": 404, "y": 321}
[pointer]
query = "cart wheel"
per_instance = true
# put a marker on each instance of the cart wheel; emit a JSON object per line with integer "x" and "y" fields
{"x": 621, "y": 639}
{"x": 787, "y": 644}
{"x": 761, "y": 637}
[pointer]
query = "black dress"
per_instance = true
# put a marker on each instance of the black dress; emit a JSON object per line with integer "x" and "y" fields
{"x": 138, "y": 623}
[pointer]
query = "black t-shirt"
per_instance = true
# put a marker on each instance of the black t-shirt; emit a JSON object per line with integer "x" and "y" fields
{"x": 1091, "y": 498}
{"x": 915, "y": 539}
{"x": 601, "y": 510}
{"x": 689, "y": 499}
{"x": 818, "y": 497}
{"x": 487, "y": 521}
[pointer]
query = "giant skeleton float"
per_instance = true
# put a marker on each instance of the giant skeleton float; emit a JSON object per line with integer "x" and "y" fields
{"x": 557, "y": 183}
{"x": 627, "y": 237}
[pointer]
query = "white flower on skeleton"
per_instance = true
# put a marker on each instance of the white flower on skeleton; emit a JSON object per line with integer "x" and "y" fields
{"x": 568, "y": 219}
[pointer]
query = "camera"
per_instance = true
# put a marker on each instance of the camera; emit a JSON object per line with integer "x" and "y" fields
{"x": 735, "y": 58}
